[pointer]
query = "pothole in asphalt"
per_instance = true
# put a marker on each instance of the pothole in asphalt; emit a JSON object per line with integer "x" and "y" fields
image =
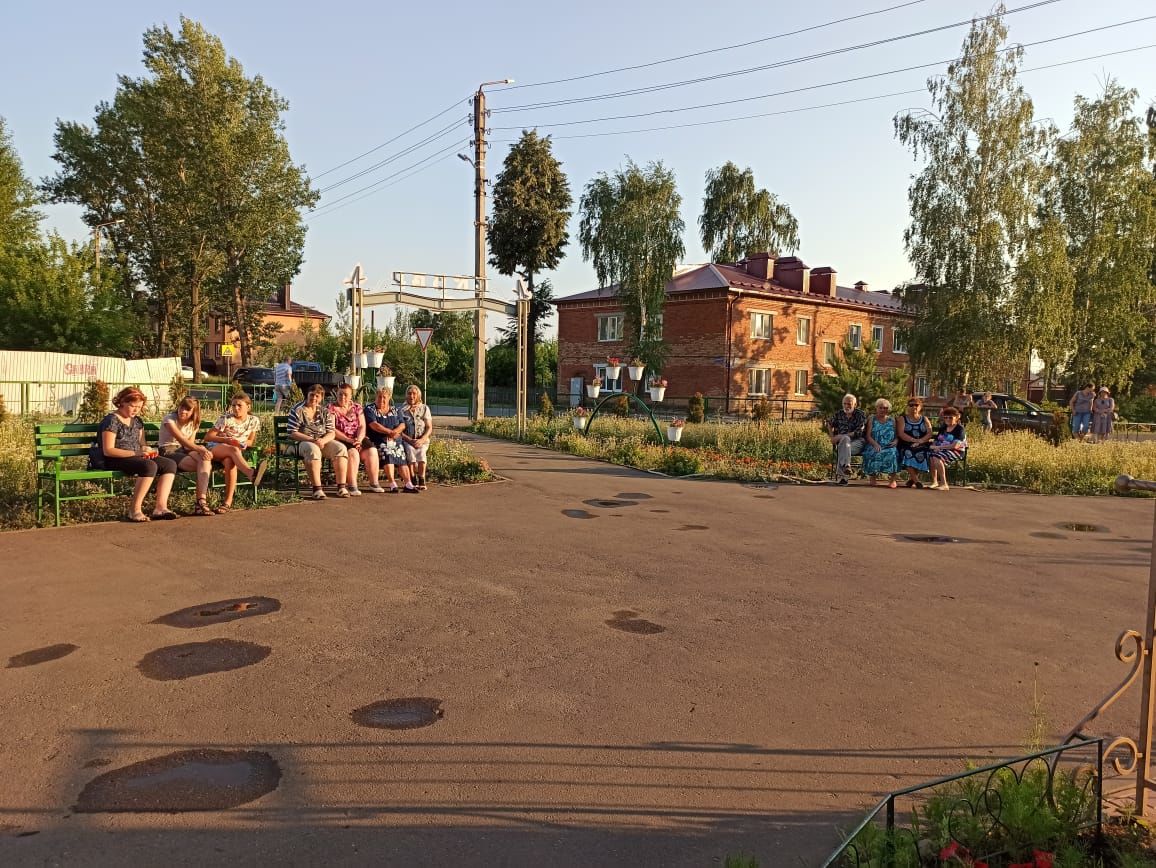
{"x": 407, "y": 713}
{"x": 1048, "y": 534}
{"x": 220, "y": 612}
{"x": 188, "y": 780}
{"x": 660, "y": 510}
{"x": 578, "y": 513}
{"x": 627, "y": 621}
{"x": 933, "y": 539}
{"x": 610, "y": 504}
{"x": 694, "y": 527}
{"x": 1079, "y": 527}
{"x": 191, "y": 659}
{"x": 764, "y": 497}
{"x": 41, "y": 655}
{"x": 634, "y": 495}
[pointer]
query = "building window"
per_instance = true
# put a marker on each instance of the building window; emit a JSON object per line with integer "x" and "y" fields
{"x": 898, "y": 345}
{"x": 877, "y": 338}
{"x": 801, "y": 381}
{"x": 829, "y": 350}
{"x": 855, "y": 335}
{"x": 803, "y": 331}
{"x": 653, "y": 327}
{"x": 922, "y": 387}
{"x": 758, "y": 381}
{"x": 609, "y": 385}
{"x": 761, "y": 324}
{"x": 610, "y": 327}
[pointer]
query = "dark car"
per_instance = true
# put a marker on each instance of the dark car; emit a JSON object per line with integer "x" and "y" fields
{"x": 254, "y": 376}
{"x": 1014, "y": 414}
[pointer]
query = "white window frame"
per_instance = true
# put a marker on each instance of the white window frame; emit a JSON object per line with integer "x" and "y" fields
{"x": 855, "y": 339}
{"x": 922, "y": 386}
{"x": 758, "y": 373}
{"x": 834, "y": 351}
{"x": 757, "y": 316}
{"x": 807, "y": 379}
{"x": 609, "y": 385}
{"x": 608, "y": 318}
{"x": 805, "y": 342}
{"x": 897, "y": 345}
{"x": 877, "y": 336}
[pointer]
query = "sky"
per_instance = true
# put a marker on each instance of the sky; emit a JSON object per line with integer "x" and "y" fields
{"x": 358, "y": 74}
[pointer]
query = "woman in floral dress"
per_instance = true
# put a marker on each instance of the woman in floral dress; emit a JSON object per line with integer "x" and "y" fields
{"x": 879, "y": 456}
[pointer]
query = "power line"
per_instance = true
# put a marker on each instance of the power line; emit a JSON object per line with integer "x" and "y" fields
{"x": 851, "y": 80}
{"x": 433, "y": 137}
{"x": 455, "y": 104}
{"x": 707, "y": 51}
{"x": 776, "y": 65}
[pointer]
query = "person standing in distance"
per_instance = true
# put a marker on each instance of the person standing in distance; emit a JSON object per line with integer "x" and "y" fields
{"x": 282, "y": 382}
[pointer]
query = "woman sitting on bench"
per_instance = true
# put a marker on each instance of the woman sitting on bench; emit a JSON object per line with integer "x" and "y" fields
{"x": 178, "y": 441}
{"x": 235, "y": 432}
{"x": 120, "y": 445}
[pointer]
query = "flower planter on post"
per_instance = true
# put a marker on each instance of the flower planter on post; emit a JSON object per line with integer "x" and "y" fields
{"x": 635, "y": 371}
{"x": 657, "y": 393}
{"x": 612, "y": 371}
{"x": 593, "y": 391}
{"x": 375, "y": 359}
{"x": 362, "y": 360}
{"x": 386, "y": 382}
{"x": 354, "y": 380}
{"x": 579, "y": 422}
{"x": 674, "y": 430}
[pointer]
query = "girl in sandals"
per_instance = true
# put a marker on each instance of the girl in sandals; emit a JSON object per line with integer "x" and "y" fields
{"x": 178, "y": 442}
{"x": 235, "y": 432}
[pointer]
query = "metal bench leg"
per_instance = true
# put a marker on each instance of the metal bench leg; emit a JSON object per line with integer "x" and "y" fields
{"x": 56, "y": 501}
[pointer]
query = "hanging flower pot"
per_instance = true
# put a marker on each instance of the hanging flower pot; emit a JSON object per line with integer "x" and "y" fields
{"x": 386, "y": 382}
{"x": 579, "y": 422}
{"x": 376, "y": 357}
{"x": 612, "y": 371}
{"x": 593, "y": 391}
{"x": 362, "y": 360}
{"x": 657, "y": 393}
{"x": 354, "y": 380}
{"x": 635, "y": 369}
{"x": 674, "y": 430}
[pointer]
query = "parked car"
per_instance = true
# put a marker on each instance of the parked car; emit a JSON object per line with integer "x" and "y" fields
{"x": 253, "y": 376}
{"x": 306, "y": 368}
{"x": 1015, "y": 414}
{"x": 187, "y": 374}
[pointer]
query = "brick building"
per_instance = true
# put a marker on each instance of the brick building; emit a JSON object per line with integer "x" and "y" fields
{"x": 760, "y": 328}
{"x": 279, "y": 308}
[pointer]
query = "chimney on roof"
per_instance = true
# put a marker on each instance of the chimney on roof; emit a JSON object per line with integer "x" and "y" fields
{"x": 793, "y": 273}
{"x": 862, "y": 286}
{"x": 824, "y": 281}
{"x": 760, "y": 265}
{"x": 283, "y": 297}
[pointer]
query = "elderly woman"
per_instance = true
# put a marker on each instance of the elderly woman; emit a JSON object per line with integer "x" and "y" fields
{"x": 349, "y": 428}
{"x": 880, "y": 456}
{"x": 418, "y": 429}
{"x": 385, "y": 426}
{"x": 1103, "y": 414}
{"x": 310, "y": 427}
{"x": 121, "y": 445}
{"x": 915, "y": 436}
{"x": 847, "y": 430}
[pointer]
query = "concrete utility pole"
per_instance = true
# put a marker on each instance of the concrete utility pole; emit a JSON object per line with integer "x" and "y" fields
{"x": 96, "y": 237}
{"x": 478, "y": 400}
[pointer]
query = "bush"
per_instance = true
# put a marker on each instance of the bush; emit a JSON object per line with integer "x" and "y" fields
{"x": 696, "y": 409}
{"x": 451, "y": 461}
{"x": 3, "y": 410}
{"x": 545, "y": 405}
{"x": 1141, "y": 408}
{"x": 94, "y": 404}
{"x": 762, "y": 410}
{"x": 620, "y": 406}
{"x": 679, "y": 462}
{"x": 177, "y": 391}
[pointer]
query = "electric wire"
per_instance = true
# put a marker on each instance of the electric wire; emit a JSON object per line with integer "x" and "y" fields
{"x": 707, "y": 51}
{"x": 776, "y": 65}
{"x": 433, "y": 137}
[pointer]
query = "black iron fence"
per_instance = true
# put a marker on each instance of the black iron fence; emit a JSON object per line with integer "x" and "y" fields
{"x": 1001, "y": 812}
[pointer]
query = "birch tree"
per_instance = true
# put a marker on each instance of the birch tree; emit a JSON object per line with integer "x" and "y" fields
{"x": 737, "y": 219}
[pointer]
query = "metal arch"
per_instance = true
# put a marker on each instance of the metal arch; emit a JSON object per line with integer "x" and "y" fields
{"x": 615, "y": 396}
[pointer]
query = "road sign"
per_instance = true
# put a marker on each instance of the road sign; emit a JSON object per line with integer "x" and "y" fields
{"x": 227, "y": 350}
{"x": 423, "y": 336}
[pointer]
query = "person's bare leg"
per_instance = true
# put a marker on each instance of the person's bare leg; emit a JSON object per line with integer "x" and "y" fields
{"x": 164, "y": 487}
{"x": 372, "y": 467}
{"x": 313, "y": 468}
{"x": 140, "y": 488}
{"x": 354, "y": 458}
{"x": 340, "y": 469}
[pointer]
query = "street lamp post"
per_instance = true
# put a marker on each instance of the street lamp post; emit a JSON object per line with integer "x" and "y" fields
{"x": 96, "y": 237}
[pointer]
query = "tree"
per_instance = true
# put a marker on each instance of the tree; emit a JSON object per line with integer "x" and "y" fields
{"x": 972, "y": 210}
{"x": 1107, "y": 200}
{"x": 632, "y": 232}
{"x": 738, "y": 220}
{"x": 855, "y": 373}
{"x": 541, "y": 309}
{"x": 19, "y": 219}
{"x": 528, "y": 230}
{"x": 453, "y": 340}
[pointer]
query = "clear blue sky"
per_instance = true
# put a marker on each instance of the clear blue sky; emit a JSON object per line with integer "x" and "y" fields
{"x": 358, "y": 73}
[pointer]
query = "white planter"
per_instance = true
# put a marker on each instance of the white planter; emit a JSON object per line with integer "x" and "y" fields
{"x": 673, "y": 434}
{"x": 375, "y": 360}
{"x": 386, "y": 382}
{"x": 612, "y": 371}
{"x": 657, "y": 393}
{"x": 635, "y": 371}
{"x": 353, "y": 380}
{"x": 579, "y": 422}
{"x": 593, "y": 391}
{"x": 362, "y": 360}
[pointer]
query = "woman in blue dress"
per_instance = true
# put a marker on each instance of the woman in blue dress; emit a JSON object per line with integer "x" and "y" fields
{"x": 879, "y": 455}
{"x": 915, "y": 438}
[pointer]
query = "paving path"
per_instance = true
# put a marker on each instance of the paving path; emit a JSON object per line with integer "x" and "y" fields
{"x": 808, "y": 661}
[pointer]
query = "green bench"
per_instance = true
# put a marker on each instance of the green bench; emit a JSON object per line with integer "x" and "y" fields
{"x": 62, "y": 466}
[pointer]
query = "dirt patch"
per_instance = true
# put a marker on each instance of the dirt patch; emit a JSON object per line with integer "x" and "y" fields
{"x": 188, "y": 780}
{"x": 219, "y": 612}
{"x": 578, "y": 513}
{"x": 407, "y": 713}
{"x": 627, "y": 621}
{"x": 177, "y": 662}
{"x": 41, "y": 655}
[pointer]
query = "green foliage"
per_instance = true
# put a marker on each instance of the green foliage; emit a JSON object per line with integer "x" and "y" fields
{"x": 1140, "y": 408}
{"x": 696, "y": 408}
{"x": 855, "y": 373}
{"x": 545, "y": 405}
{"x": 451, "y": 352}
{"x": 740, "y": 861}
{"x": 738, "y": 220}
{"x": 451, "y": 461}
{"x": 3, "y": 410}
{"x": 19, "y": 219}
{"x": 619, "y": 406}
{"x": 94, "y": 402}
{"x": 680, "y": 462}
{"x": 177, "y": 391}
{"x": 631, "y": 230}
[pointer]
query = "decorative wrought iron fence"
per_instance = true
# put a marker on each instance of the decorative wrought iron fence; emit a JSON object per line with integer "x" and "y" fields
{"x": 981, "y": 814}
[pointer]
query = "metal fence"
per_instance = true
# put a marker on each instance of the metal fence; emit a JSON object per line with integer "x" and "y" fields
{"x": 980, "y": 810}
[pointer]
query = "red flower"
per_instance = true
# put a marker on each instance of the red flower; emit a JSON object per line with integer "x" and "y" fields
{"x": 1042, "y": 859}
{"x": 952, "y": 851}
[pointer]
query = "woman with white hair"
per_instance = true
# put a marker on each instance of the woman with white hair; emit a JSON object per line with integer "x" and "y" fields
{"x": 846, "y": 430}
{"x": 879, "y": 455}
{"x": 418, "y": 430}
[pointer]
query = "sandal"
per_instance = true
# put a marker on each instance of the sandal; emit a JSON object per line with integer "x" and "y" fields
{"x": 259, "y": 473}
{"x": 166, "y": 515}
{"x": 202, "y": 508}
{"x": 910, "y": 483}
{"x": 138, "y": 518}
{"x": 918, "y": 484}
{"x": 223, "y": 508}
